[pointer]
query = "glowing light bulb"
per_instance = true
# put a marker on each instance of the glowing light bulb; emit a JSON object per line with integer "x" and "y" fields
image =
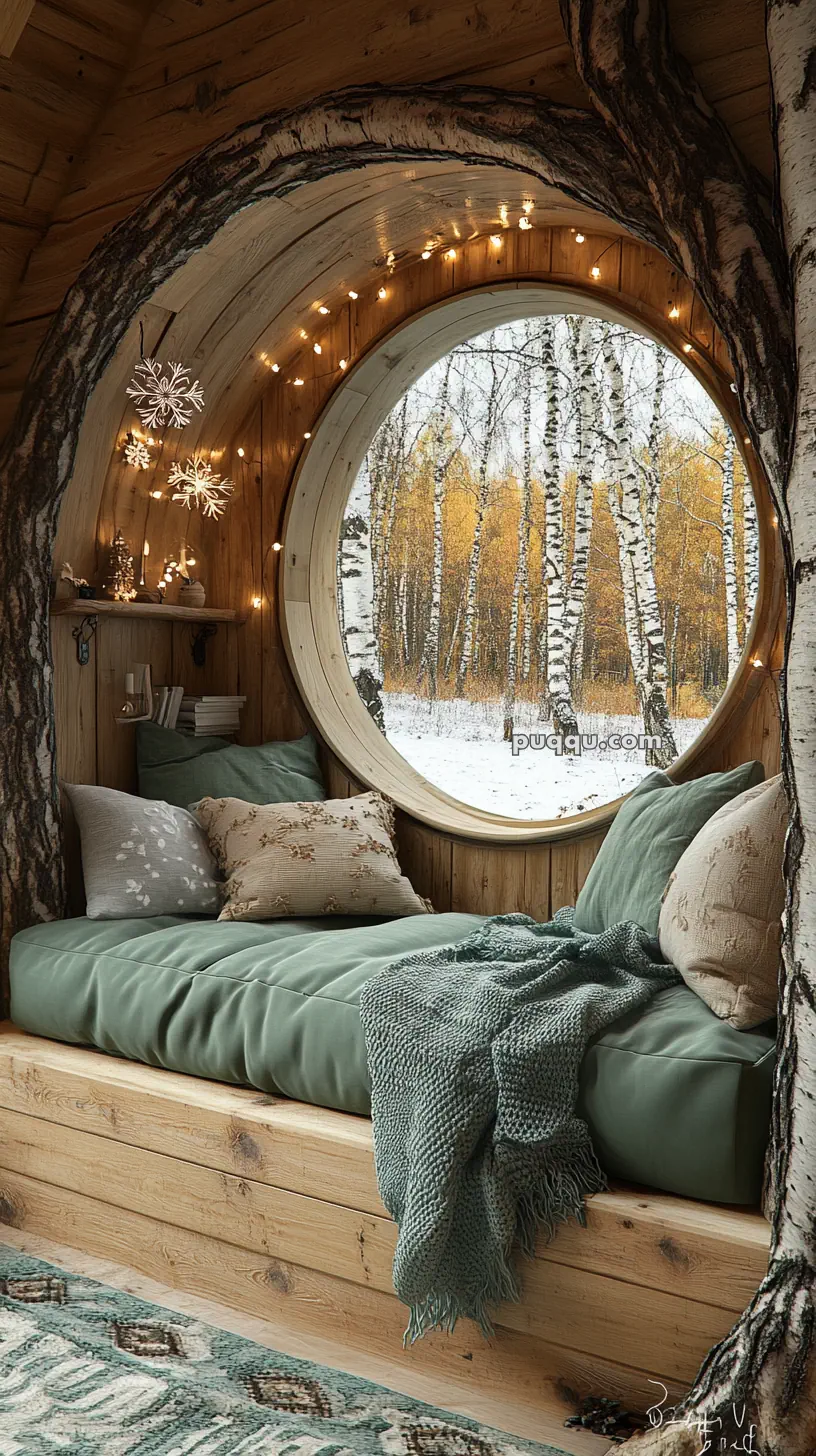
{"x": 579, "y": 238}
{"x": 256, "y": 602}
{"x": 241, "y": 451}
{"x": 496, "y": 240}
{"x": 276, "y": 545}
{"x": 525, "y": 224}
{"x": 191, "y": 561}
{"x": 275, "y": 368}
{"x": 756, "y": 662}
{"x": 307, "y": 434}
{"x": 595, "y": 272}
{"x": 323, "y": 308}
{"x": 298, "y": 382}
{"x": 150, "y": 440}
{"x": 382, "y": 293}
{"x": 156, "y": 494}
{"x": 425, "y": 254}
{"x": 352, "y": 294}
{"x": 146, "y": 549}
{"x": 774, "y": 520}
{"x": 343, "y": 363}
{"x": 746, "y": 439}
{"x": 674, "y": 312}
{"x": 528, "y": 204}
{"x": 451, "y": 254}
{"x": 303, "y": 334}
{"x": 318, "y": 349}
{"x": 503, "y": 214}
{"x": 687, "y": 348}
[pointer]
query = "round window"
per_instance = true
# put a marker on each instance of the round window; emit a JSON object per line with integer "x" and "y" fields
{"x": 547, "y": 567}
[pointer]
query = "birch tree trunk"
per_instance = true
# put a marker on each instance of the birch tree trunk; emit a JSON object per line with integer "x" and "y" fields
{"x": 466, "y": 655}
{"x": 430, "y": 654}
{"x": 587, "y": 434}
{"x": 520, "y": 579}
{"x": 653, "y": 479}
{"x": 637, "y": 572}
{"x": 559, "y": 691}
{"x": 732, "y": 642}
{"x": 357, "y": 586}
{"x": 750, "y": 555}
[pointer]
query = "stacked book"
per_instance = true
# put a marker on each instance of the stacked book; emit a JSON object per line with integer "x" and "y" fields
{"x": 166, "y": 705}
{"x": 203, "y": 715}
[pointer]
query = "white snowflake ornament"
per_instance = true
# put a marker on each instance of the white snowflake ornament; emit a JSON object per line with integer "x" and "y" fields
{"x": 137, "y": 454}
{"x": 164, "y": 398}
{"x": 198, "y": 486}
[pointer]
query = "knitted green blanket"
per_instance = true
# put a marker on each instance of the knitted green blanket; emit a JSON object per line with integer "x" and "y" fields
{"x": 474, "y": 1051}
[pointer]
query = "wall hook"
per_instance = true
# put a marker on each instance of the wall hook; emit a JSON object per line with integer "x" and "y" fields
{"x": 82, "y": 636}
{"x": 200, "y": 640}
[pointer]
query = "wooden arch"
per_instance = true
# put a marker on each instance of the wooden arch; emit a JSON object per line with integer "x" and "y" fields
{"x": 562, "y": 147}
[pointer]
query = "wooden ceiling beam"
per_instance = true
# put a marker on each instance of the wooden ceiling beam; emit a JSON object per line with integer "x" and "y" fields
{"x": 13, "y": 20}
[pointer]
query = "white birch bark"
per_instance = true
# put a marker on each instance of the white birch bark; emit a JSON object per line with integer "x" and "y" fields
{"x": 430, "y": 654}
{"x": 750, "y": 555}
{"x": 520, "y": 579}
{"x": 466, "y": 655}
{"x": 357, "y": 588}
{"x": 587, "y": 433}
{"x": 651, "y": 666}
{"x": 733, "y": 649}
{"x": 653, "y": 478}
{"x": 559, "y": 690}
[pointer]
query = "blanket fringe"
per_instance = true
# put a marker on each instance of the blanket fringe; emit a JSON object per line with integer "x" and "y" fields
{"x": 558, "y": 1197}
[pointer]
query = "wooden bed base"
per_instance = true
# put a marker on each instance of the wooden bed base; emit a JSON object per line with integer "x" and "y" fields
{"x": 271, "y": 1207}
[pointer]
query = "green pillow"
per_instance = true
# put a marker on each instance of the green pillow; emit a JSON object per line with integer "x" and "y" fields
{"x": 181, "y": 769}
{"x": 649, "y": 833}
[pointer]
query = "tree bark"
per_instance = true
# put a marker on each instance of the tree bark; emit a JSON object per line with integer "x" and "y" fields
{"x": 466, "y": 655}
{"x": 357, "y": 584}
{"x": 587, "y": 435}
{"x": 441, "y": 461}
{"x": 521, "y": 573}
{"x": 559, "y": 691}
{"x": 750, "y": 556}
{"x": 649, "y": 665}
{"x": 732, "y": 642}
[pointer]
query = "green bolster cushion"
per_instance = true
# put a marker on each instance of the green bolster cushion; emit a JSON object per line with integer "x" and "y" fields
{"x": 182, "y": 769}
{"x": 650, "y": 831}
{"x": 675, "y": 1098}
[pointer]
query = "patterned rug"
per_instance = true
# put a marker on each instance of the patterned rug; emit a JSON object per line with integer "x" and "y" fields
{"x": 91, "y": 1371}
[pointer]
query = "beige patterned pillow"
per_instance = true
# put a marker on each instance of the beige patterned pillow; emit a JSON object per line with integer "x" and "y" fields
{"x": 333, "y": 857}
{"x": 720, "y": 921}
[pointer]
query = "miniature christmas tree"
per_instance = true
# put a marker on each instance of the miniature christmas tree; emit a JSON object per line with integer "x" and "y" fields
{"x": 120, "y": 583}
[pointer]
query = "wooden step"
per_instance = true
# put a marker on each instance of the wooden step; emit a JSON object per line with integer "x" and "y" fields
{"x": 119, "y": 1157}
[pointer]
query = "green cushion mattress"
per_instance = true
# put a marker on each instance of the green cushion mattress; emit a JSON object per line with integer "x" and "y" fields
{"x": 675, "y": 1098}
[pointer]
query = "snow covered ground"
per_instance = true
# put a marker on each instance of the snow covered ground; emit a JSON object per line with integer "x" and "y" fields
{"x": 458, "y": 746}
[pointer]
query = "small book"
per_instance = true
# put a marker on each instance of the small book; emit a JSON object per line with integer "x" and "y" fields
{"x": 173, "y": 705}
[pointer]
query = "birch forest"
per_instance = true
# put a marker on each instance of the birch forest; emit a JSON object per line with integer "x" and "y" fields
{"x": 551, "y": 546}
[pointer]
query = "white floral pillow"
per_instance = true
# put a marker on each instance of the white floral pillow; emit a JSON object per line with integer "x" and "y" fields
{"x": 142, "y": 857}
{"x": 335, "y": 857}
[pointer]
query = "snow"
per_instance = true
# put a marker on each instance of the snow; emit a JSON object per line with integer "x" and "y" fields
{"x": 457, "y": 745}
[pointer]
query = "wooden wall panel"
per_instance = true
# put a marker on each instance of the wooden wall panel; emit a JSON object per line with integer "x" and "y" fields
{"x": 237, "y": 560}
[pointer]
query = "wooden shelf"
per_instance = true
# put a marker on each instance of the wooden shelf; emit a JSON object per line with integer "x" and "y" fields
{"x": 91, "y": 607}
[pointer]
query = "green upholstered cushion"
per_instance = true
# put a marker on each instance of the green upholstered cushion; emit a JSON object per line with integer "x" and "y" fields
{"x": 674, "y": 1097}
{"x": 182, "y": 769}
{"x": 652, "y": 828}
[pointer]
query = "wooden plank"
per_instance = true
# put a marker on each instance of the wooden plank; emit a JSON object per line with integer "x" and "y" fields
{"x": 561, "y": 1303}
{"x": 156, "y": 612}
{"x": 534, "y": 1375}
{"x": 682, "y": 1247}
{"x": 15, "y": 17}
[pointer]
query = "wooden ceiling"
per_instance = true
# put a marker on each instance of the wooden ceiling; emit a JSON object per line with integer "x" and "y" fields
{"x": 101, "y": 99}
